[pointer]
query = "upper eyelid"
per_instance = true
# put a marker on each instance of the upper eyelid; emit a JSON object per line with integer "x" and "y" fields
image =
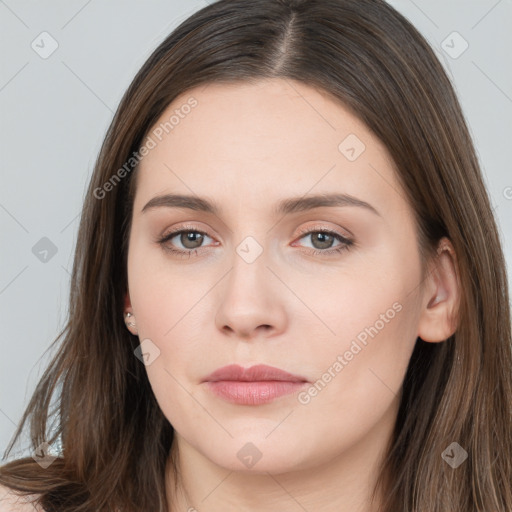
{"x": 320, "y": 228}
{"x": 182, "y": 229}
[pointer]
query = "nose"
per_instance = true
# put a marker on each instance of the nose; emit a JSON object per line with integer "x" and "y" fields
{"x": 250, "y": 300}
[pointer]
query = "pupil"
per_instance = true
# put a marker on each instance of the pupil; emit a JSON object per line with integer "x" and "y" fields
{"x": 191, "y": 236}
{"x": 324, "y": 240}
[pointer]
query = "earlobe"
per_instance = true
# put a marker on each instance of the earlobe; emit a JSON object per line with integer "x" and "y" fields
{"x": 130, "y": 322}
{"x": 129, "y": 317}
{"x": 439, "y": 316}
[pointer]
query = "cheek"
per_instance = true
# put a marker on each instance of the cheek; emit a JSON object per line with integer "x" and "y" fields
{"x": 162, "y": 290}
{"x": 358, "y": 376}
{"x": 361, "y": 370}
{"x": 360, "y": 383}
{"x": 170, "y": 301}
{"x": 369, "y": 299}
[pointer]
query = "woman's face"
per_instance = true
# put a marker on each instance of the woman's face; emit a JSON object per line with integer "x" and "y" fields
{"x": 254, "y": 280}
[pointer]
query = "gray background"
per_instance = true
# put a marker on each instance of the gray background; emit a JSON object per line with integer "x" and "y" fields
{"x": 55, "y": 111}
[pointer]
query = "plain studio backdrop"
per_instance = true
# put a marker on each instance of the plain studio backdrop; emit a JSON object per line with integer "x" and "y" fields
{"x": 65, "y": 66}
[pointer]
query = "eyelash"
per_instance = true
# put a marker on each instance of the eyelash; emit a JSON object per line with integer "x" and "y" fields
{"x": 345, "y": 245}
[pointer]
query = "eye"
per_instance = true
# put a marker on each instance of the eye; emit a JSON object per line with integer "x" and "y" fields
{"x": 323, "y": 239}
{"x": 189, "y": 237}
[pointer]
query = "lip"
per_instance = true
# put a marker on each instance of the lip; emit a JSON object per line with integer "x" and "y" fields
{"x": 256, "y": 385}
{"x": 257, "y": 373}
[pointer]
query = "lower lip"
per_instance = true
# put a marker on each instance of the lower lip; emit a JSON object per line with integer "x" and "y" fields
{"x": 253, "y": 393}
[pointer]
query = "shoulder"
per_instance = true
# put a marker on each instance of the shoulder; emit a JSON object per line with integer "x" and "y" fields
{"x": 12, "y": 502}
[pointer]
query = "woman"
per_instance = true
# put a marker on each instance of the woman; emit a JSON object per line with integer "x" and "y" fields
{"x": 265, "y": 148}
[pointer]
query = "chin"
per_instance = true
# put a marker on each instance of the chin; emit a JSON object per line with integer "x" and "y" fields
{"x": 257, "y": 455}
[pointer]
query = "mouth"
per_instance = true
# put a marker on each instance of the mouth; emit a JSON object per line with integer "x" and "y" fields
{"x": 256, "y": 385}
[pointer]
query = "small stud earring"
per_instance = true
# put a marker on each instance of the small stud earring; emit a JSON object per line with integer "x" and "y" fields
{"x": 129, "y": 321}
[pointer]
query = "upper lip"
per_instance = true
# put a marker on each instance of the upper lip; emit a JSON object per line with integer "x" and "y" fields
{"x": 257, "y": 373}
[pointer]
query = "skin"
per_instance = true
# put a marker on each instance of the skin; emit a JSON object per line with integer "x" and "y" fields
{"x": 12, "y": 502}
{"x": 247, "y": 147}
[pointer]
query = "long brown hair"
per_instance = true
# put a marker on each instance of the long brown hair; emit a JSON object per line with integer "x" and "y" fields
{"x": 115, "y": 439}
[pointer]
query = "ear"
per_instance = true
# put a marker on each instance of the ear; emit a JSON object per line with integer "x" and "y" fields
{"x": 441, "y": 295}
{"x": 130, "y": 322}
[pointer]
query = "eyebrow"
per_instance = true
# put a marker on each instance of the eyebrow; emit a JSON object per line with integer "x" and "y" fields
{"x": 285, "y": 206}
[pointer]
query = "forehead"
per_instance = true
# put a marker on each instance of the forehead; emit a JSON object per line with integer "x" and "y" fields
{"x": 269, "y": 138}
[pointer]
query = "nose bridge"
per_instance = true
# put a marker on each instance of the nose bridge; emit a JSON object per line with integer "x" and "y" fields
{"x": 248, "y": 299}
{"x": 249, "y": 264}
